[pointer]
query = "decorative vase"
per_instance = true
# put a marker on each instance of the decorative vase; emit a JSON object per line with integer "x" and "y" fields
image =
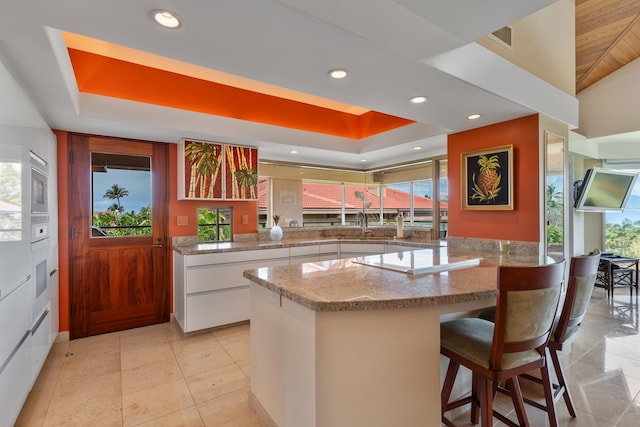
{"x": 276, "y": 232}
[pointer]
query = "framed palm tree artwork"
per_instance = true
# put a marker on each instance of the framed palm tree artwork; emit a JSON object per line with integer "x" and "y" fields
{"x": 200, "y": 174}
{"x": 216, "y": 171}
{"x": 241, "y": 177}
{"x": 487, "y": 179}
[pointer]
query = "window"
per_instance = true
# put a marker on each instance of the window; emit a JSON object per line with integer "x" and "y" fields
{"x": 121, "y": 195}
{"x": 214, "y": 224}
{"x": 334, "y": 197}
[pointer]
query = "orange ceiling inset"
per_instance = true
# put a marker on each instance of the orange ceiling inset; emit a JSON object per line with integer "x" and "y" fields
{"x": 106, "y": 76}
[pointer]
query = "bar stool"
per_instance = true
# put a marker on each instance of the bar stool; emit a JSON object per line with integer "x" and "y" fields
{"x": 582, "y": 276}
{"x": 515, "y": 344}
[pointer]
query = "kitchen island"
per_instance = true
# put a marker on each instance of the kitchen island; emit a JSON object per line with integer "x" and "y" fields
{"x": 347, "y": 343}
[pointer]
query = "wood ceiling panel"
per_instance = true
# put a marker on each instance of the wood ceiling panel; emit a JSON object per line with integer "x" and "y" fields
{"x": 607, "y": 38}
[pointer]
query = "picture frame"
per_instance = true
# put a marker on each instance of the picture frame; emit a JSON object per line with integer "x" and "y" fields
{"x": 216, "y": 171}
{"x": 241, "y": 172}
{"x": 487, "y": 179}
{"x": 200, "y": 170}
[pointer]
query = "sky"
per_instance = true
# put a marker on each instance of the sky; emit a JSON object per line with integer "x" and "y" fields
{"x": 138, "y": 183}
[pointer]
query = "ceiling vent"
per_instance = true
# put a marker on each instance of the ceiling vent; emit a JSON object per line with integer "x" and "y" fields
{"x": 502, "y": 36}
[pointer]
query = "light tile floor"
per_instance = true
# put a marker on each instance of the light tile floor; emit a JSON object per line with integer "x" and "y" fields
{"x": 157, "y": 376}
{"x": 151, "y": 376}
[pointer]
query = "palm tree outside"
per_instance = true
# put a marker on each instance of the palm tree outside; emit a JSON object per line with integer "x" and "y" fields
{"x": 116, "y": 193}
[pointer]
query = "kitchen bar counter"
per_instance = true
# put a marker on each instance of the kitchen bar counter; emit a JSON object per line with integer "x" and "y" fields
{"x": 339, "y": 343}
{"x": 347, "y": 284}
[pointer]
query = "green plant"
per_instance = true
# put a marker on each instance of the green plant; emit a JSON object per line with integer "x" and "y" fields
{"x": 211, "y": 225}
{"x": 116, "y": 224}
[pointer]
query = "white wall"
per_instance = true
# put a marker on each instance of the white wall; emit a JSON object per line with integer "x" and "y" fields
{"x": 543, "y": 43}
{"x": 611, "y": 105}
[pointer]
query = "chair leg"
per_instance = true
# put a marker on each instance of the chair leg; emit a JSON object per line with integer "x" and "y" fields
{"x": 518, "y": 403}
{"x": 485, "y": 394}
{"x": 548, "y": 393}
{"x": 447, "y": 387}
{"x": 562, "y": 382}
{"x": 475, "y": 415}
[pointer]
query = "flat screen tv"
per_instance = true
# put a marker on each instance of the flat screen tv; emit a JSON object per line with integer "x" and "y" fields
{"x": 604, "y": 190}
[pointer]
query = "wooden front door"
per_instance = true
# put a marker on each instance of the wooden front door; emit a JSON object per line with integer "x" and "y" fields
{"x": 117, "y": 282}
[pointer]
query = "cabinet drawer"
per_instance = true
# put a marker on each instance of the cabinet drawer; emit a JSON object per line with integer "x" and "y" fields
{"x": 303, "y": 250}
{"x": 362, "y": 248}
{"x": 15, "y": 383}
{"x": 217, "y": 308}
{"x": 211, "y": 278}
{"x": 239, "y": 256}
{"x": 15, "y": 317}
{"x": 330, "y": 248}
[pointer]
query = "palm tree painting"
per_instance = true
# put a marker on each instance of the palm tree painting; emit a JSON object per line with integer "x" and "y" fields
{"x": 241, "y": 172}
{"x": 202, "y": 163}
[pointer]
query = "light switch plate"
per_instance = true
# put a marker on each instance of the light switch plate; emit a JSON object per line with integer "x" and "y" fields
{"x": 183, "y": 220}
{"x": 245, "y": 219}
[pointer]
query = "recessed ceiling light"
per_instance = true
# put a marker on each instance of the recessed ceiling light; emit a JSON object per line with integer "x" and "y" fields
{"x": 418, "y": 99}
{"x": 338, "y": 74}
{"x": 167, "y": 19}
{"x": 363, "y": 160}
{"x": 417, "y": 148}
{"x": 293, "y": 151}
{"x": 473, "y": 116}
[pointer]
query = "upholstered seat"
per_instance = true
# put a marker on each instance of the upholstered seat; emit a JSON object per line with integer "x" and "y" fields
{"x": 527, "y": 301}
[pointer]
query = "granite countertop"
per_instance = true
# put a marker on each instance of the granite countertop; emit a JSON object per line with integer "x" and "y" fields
{"x": 341, "y": 285}
{"x": 218, "y": 247}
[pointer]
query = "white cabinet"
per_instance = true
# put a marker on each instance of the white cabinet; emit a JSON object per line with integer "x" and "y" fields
{"x": 15, "y": 349}
{"x": 40, "y": 342}
{"x": 210, "y": 289}
{"x": 328, "y": 251}
{"x": 348, "y": 250}
{"x": 312, "y": 253}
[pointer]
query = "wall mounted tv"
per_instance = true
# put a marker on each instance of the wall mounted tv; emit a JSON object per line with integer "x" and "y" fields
{"x": 603, "y": 190}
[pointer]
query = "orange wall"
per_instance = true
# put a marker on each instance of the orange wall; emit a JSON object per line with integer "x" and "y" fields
{"x": 176, "y": 208}
{"x": 521, "y": 223}
{"x": 188, "y": 207}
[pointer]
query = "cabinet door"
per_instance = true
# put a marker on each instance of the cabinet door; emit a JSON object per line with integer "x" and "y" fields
{"x": 224, "y": 276}
{"x": 217, "y": 308}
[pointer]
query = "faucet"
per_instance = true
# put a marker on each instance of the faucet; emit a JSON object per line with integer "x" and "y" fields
{"x": 362, "y": 219}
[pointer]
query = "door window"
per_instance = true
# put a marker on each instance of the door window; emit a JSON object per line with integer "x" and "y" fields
{"x": 121, "y": 195}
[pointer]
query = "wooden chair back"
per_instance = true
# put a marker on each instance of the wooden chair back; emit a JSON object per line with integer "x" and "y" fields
{"x": 526, "y": 307}
{"x": 582, "y": 276}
